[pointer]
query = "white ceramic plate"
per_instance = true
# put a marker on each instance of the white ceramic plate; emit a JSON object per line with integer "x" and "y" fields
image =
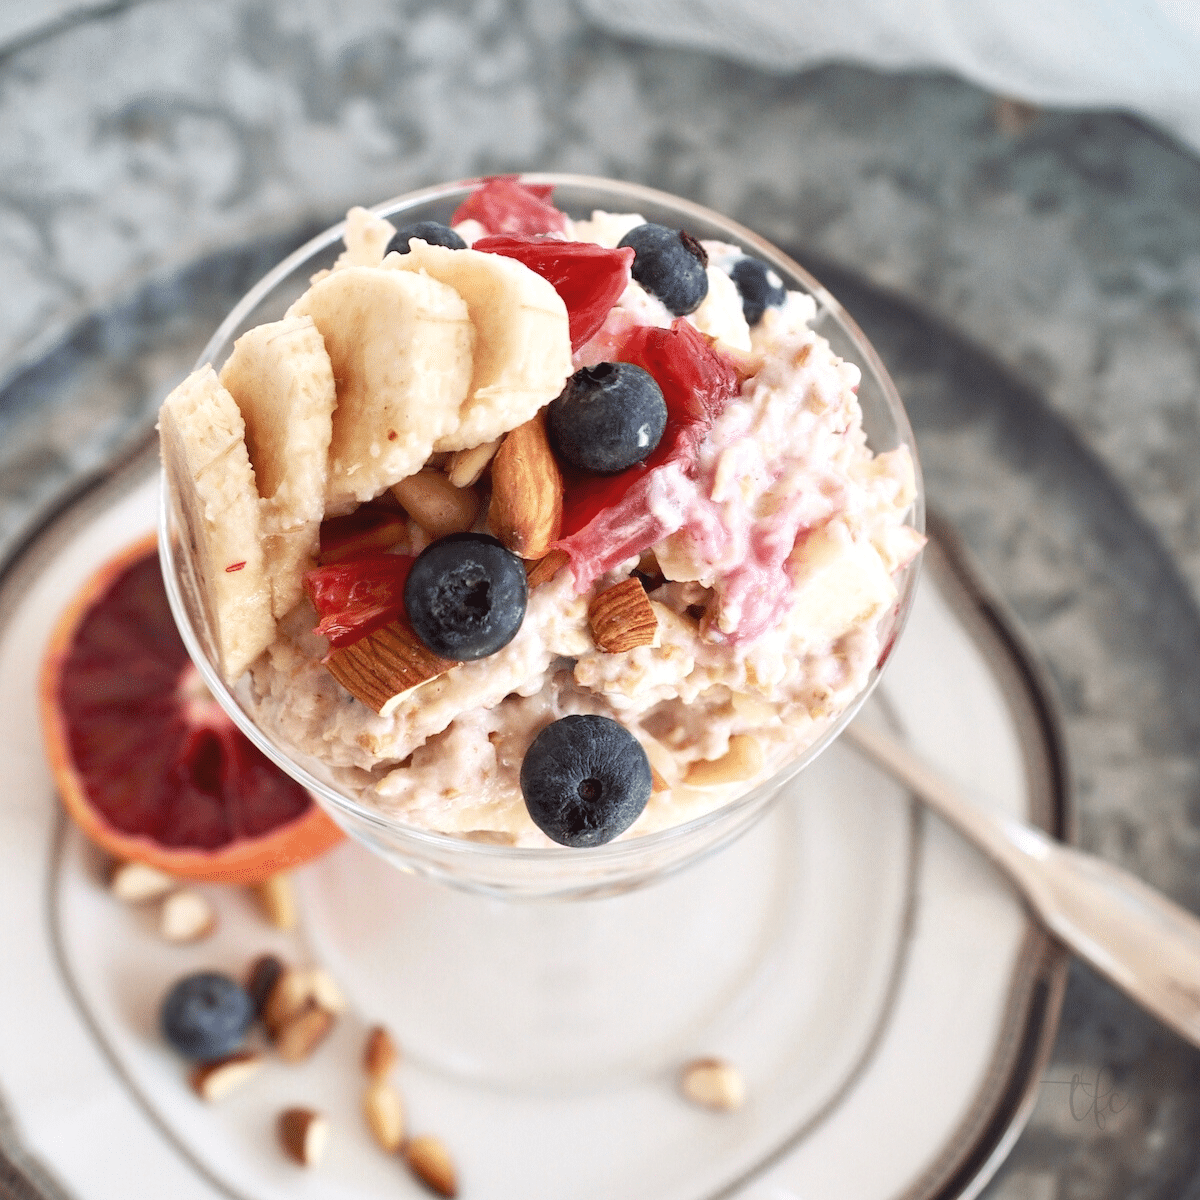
{"x": 884, "y": 994}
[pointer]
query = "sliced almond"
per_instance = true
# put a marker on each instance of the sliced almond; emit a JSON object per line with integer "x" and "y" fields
{"x": 430, "y": 1162}
{"x": 214, "y": 1080}
{"x": 713, "y": 1083}
{"x": 545, "y": 569}
{"x": 621, "y": 617}
{"x": 467, "y": 466}
{"x": 664, "y": 769}
{"x": 436, "y": 504}
{"x": 747, "y": 363}
{"x": 303, "y": 1032}
{"x": 304, "y": 1135}
{"x": 136, "y": 883}
{"x": 384, "y": 665}
{"x": 277, "y": 900}
{"x": 743, "y": 760}
{"x": 187, "y": 916}
{"x": 384, "y": 1111}
{"x": 527, "y": 490}
{"x": 380, "y": 1053}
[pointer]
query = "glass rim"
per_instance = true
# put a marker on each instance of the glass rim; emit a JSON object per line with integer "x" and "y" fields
{"x": 613, "y": 853}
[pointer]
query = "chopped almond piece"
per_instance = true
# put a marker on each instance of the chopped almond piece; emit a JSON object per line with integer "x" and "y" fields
{"x": 621, "y": 617}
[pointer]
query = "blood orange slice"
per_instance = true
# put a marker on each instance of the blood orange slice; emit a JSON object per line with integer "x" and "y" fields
{"x": 146, "y": 761}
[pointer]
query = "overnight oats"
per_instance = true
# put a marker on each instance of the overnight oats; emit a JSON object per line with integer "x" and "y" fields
{"x": 533, "y": 530}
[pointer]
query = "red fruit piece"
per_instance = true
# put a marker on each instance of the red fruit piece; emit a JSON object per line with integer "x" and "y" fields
{"x": 357, "y": 597}
{"x": 609, "y": 518}
{"x": 502, "y": 205}
{"x": 589, "y": 278}
{"x": 368, "y": 529}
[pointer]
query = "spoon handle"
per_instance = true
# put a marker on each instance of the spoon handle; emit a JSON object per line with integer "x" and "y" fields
{"x": 1144, "y": 943}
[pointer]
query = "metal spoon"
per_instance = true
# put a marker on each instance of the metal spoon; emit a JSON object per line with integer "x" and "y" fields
{"x": 1144, "y": 943}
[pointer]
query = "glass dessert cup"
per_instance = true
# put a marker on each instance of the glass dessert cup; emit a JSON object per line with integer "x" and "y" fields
{"x": 519, "y": 939}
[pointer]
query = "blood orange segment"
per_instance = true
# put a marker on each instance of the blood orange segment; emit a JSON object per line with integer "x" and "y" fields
{"x": 608, "y": 518}
{"x": 589, "y": 278}
{"x": 357, "y": 597}
{"x": 502, "y": 205}
{"x": 146, "y": 761}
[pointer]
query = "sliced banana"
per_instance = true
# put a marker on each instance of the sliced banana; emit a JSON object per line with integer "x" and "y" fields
{"x": 401, "y": 348}
{"x": 522, "y": 354}
{"x": 366, "y": 239}
{"x": 204, "y": 455}
{"x": 282, "y": 380}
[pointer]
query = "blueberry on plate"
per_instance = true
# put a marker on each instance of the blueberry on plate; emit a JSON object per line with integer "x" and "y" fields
{"x": 607, "y": 418}
{"x": 433, "y": 232}
{"x": 206, "y": 1015}
{"x": 759, "y": 286}
{"x": 669, "y": 264}
{"x": 465, "y": 596}
{"x": 585, "y": 780}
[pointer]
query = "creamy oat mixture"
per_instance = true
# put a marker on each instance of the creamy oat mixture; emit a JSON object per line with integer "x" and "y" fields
{"x": 770, "y": 595}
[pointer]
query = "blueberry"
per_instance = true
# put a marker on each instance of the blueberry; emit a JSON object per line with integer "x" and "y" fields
{"x": 585, "y": 779}
{"x": 206, "y": 1015}
{"x": 669, "y": 264}
{"x": 607, "y": 418}
{"x": 433, "y": 232}
{"x": 760, "y": 287}
{"x": 465, "y": 596}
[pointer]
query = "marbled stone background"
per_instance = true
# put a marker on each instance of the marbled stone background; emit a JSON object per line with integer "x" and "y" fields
{"x": 139, "y": 137}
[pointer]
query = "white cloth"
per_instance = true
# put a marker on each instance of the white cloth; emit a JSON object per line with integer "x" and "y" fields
{"x": 1141, "y": 56}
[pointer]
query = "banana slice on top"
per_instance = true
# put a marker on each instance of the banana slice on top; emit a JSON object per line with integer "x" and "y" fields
{"x": 522, "y": 337}
{"x": 204, "y": 455}
{"x": 366, "y": 239}
{"x": 401, "y": 348}
{"x": 281, "y": 378}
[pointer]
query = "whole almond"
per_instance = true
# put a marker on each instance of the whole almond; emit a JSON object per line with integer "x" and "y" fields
{"x": 261, "y": 978}
{"x": 291, "y": 993}
{"x": 380, "y": 1053}
{"x": 303, "y": 1134}
{"x": 277, "y": 900}
{"x": 384, "y": 1111}
{"x": 436, "y": 504}
{"x": 136, "y": 883}
{"x": 378, "y": 669}
{"x": 713, "y": 1083}
{"x": 527, "y": 491}
{"x": 430, "y": 1162}
{"x": 622, "y": 618}
{"x": 303, "y": 1032}
{"x": 214, "y": 1080}
{"x": 187, "y": 916}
